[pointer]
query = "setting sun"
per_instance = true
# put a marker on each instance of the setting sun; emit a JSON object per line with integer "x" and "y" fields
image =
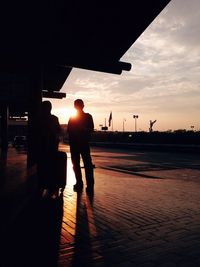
{"x": 72, "y": 112}
{"x": 64, "y": 114}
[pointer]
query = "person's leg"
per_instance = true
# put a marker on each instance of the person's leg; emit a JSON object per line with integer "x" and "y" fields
{"x": 89, "y": 171}
{"x": 75, "y": 157}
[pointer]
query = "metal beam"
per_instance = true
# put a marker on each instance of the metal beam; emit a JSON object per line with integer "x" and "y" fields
{"x": 53, "y": 94}
{"x": 108, "y": 67}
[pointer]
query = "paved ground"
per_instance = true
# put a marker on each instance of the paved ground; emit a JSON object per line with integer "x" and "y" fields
{"x": 145, "y": 212}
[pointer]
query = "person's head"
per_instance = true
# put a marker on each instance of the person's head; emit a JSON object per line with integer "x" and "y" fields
{"x": 79, "y": 104}
{"x": 46, "y": 107}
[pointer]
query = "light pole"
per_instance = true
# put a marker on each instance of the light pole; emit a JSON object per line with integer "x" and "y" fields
{"x": 123, "y": 123}
{"x": 135, "y": 117}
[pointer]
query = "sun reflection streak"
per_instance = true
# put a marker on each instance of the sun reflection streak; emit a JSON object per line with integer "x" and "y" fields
{"x": 73, "y": 203}
{"x": 71, "y": 180}
{"x": 78, "y": 222}
{"x": 70, "y": 204}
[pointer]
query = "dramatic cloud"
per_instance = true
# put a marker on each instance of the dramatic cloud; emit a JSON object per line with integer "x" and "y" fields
{"x": 164, "y": 81}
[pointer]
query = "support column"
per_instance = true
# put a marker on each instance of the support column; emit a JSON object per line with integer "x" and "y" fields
{"x": 35, "y": 99}
{"x": 4, "y": 126}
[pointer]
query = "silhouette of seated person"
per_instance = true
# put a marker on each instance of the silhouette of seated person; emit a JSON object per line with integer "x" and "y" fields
{"x": 48, "y": 142}
{"x": 79, "y": 131}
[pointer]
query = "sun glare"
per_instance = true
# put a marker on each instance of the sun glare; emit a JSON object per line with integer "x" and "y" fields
{"x": 64, "y": 114}
{"x": 72, "y": 112}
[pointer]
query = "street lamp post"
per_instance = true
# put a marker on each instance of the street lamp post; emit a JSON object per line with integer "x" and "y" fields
{"x": 123, "y": 124}
{"x": 135, "y": 117}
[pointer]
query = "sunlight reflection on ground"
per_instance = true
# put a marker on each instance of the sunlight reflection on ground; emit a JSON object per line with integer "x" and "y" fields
{"x": 70, "y": 172}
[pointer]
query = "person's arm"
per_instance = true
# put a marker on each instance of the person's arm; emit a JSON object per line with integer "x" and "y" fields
{"x": 69, "y": 126}
{"x": 58, "y": 131}
{"x": 58, "y": 126}
{"x": 90, "y": 126}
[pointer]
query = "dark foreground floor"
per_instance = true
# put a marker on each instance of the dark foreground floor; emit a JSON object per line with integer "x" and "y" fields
{"x": 145, "y": 212}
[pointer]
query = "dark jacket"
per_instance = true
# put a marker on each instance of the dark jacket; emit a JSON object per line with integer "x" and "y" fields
{"x": 49, "y": 134}
{"x": 80, "y": 128}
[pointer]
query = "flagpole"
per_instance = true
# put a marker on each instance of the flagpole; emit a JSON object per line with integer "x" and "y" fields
{"x": 110, "y": 120}
{"x": 112, "y": 123}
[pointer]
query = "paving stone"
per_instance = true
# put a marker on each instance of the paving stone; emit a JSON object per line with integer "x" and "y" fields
{"x": 131, "y": 221}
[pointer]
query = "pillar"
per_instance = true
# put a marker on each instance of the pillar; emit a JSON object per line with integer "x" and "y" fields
{"x": 4, "y": 126}
{"x": 35, "y": 99}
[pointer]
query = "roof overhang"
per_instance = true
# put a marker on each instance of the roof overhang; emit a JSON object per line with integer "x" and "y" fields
{"x": 61, "y": 35}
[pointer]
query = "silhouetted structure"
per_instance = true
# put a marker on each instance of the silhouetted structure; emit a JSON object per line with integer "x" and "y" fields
{"x": 135, "y": 117}
{"x": 151, "y": 123}
{"x": 79, "y": 130}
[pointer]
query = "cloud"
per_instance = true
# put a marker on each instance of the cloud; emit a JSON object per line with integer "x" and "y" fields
{"x": 164, "y": 78}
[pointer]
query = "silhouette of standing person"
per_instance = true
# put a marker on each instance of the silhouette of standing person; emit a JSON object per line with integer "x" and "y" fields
{"x": 79, "y": 131}
{"x": 48, "y": 141}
